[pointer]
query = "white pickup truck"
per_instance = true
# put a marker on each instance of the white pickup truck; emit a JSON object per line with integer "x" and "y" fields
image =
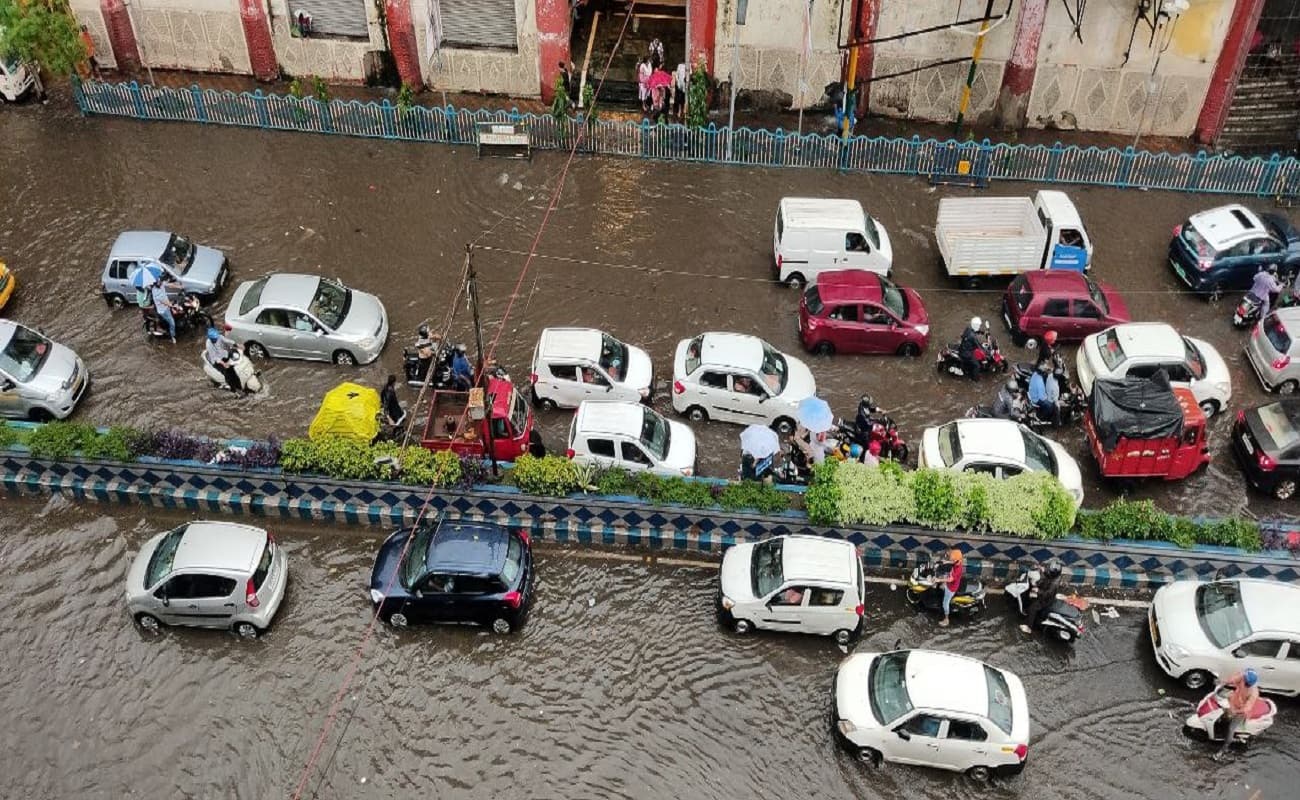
{"x": 980, "y": 237}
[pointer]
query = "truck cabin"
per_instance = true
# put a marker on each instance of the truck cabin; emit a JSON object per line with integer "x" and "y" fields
{"x": 1068, "y": 245}
{"x": 511, "y": 420}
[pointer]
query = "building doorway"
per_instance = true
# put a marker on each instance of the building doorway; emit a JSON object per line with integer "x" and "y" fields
{"x": 1264, "y": 116}
{"x": 595, "y": 33}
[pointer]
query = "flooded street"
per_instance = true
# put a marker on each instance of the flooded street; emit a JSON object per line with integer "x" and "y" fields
{"x": 621, "y": 685}
{"x": 652, "y": 252}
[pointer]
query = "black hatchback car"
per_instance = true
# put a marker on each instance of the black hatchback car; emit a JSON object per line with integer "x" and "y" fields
{"x": 454, "y": 572}
{"x": 1224, "y": 247}
{"x": 1266, "y": 441}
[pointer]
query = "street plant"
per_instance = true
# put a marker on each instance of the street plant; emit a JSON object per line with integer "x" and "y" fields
{"x": 560, "y": 105}
{"x": 43, "y": 31}
{"x": 405, "y": 97}
{"x": 56, "y": 440}
{"x": 320, "y": 89}
{"x": 547, "y": 476}
{"x": 697, "y": 96}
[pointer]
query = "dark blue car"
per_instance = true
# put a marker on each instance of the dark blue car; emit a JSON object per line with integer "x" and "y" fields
{"x": 454, "y": 572}
{"x": 1224, "y": 247}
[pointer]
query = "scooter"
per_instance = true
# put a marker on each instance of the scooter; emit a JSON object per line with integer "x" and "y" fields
{"x": 1209, "y": 722}
{"x": 874, "y": 426}
{"x": 1247, "y": 312}
{"x": 988, "y": 356}
{"x": 925, "y": 590}
{"x": 1072, "y": 402}
{"x": 417, "y": 370}
{"x": 249, "y": 377}
{"x": 1060, "y": 619}
{"x": 188, "y": 316}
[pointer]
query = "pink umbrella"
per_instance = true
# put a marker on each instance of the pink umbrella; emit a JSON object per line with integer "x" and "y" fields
{"x": 660, "y": 78}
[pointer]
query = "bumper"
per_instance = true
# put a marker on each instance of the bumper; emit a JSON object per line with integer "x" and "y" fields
{"x": 1265, "y": 380}
{"x": 64, "y": 410}
{"x": 1259, "y": 480}
{"x": 1191, "y": 277}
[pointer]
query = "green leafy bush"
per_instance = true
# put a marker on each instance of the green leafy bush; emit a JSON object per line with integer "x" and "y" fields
{"x": 658, "y": 489}
{"x": 614, "y": 481}
{"x": 874, "y": 495}
{"x": 1231, "y": 532}
{"x": 822, "y": 499}
{"x": 751, "y": 494}
{"x": 8, "y": 435}
{"x": 1029, "y": 505}
{"x": 59, "y": 439}
{"x": 1124, "y": 519}
{"x": 332, "y": 456}
{"x": 938, "y": 501}
{"x": 116, "y": 444}
{"x": 548, "y": 476}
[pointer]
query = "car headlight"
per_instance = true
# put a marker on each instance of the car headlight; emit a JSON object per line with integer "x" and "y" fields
{"x": 376, "y": 596}
{"x": 367, "y": 343}
{"x": 924, "y": 330}
{"x": 644, "y": 393}
{"x": 846, "y": 727}
{"x": 688, "y": 471}
{"x": 1176, "y": 651}
{"x": 728, "y": 603}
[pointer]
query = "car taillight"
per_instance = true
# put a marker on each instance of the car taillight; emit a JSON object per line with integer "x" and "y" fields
{"x": 569, "y": 453}
{"x": 678, "y": 388}
{"x": 523, "y": 534}
{"x": 1279, "y": 363}
{"x": 1241, "y": 417}
{"x": 1022, "y": 750}
{"x": 532, "y": 377}
{"x": 513, "y": 599}
{"x": 1204, "y": 263}
{"x": 1178, "y": 230}
{"x": 860, "y": 609}
{"x": 779, "y": 260}
{"x": 250, "y": 596}
{"x": 1265, "y": 463}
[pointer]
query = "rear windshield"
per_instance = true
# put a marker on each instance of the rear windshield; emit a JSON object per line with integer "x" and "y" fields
{"x": 264, "y": 565}
{"x": 949, "y": 444}
{"x": 1277, "y": 335}
{"x": 766, "y": 575}
{"x": 514, "y": 561}
{"x": 1038, "y": 456}
{"x": 1021, "y": 293}
{"x": 179, "y": 253}
{"x": 813, "y": 299}
{"x": 1097, "y": 295}
{"x": 893, "y": 298}
{"x": 889, "y": 697}
{"x": 1195, "y": 241}
{"x": 160, "y": 563}
{"x": 1112, "y": 354}
{"x": 1195, "y": 362}
{"x": 655, "y": 434}
{"x": 1218, "y": 607}
{"x": 872, "y": 231}
{"x": 253, "y": 297}
{"x": 1280, "y": 428}
{"x": 999, "y": 699}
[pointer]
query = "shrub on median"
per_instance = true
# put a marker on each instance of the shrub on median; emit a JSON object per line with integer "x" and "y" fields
{"x": 1141, "y": 519}
{"x": 350, "y": 460}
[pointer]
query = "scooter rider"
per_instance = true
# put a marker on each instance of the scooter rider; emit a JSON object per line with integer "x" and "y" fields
{"x": 1007, "y": 404}
{"x": 217, "y": 351}
{"x": 1264, "y": 287}
{"x": 970, "y": 340}
{"x": 1245, "y": 693}
{"x": 1045, "y": 393}
{"x": 953, "y": 584}
{"x": 1045, "y": 593}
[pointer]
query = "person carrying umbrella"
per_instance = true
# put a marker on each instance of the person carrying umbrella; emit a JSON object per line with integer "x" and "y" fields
{"x": 758, "y": 446}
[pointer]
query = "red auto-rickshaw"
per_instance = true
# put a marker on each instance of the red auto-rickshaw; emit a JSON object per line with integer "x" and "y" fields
{"x": 1144, "y": 428}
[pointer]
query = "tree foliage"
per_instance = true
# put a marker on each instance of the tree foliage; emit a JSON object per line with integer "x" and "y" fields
{"x": 43, "y": 31}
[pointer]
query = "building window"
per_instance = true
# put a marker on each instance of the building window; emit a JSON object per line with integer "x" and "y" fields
{"x": 347, "y": 18}
{"x": 475, "y": 23}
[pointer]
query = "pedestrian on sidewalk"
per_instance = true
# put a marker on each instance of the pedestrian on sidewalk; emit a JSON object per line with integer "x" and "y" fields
{"x": 681, "y": 85}
{"x": 656, "y": 54}
{"x": 643, "y": 71}
{"x": 566, "y": 75}
{"x": 90, "y": 67}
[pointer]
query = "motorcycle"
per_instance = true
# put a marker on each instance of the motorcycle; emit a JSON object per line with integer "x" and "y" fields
{"x": 988, "y": 356}
{"x": 189, "y": 315}
{"x": 925, "y": 590}
{"x": 1247, "y": 312}
{"x": 1072, "y": 402}
{"x": 249, "y": 377}
{"x": 417, "y": 369}
{"x": 1060, "y": 619}
{"x": 875, "y": 427}
{"x": 1209, "y": 721}
{"x": 792, "y": 470}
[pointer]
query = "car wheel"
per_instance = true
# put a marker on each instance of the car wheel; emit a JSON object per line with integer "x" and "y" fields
{"x": 783, "y": 426}
{"x": 344, "y": 359}
{"x": 900, "y": 455}
{"x": 40, "y": 415}
{"x": 1215, "y": 293}
{"x": 397, "y": 619}
{"x": 256, "y": 351}
{"x": 742, "y": 626}
{"x": 1196, "y": 679}
{"x": 1284, "y": 489}
{"x": 824, "y": 349}
{"x": 795, "y": 281}
{"x": 116, "y": 301}
{"x": 502, "y": 626}
{"x": 1210, "y": 408}
{"x": 843, "y": 636}
{"x": 546, "y": 404}
{"x": 1288, "y": 387}
{"x": 697, "y": 414}
{"x": 909, "y": 350}
{"x": 981, "y": 774}
{"x": 1027, "y": 342}
{"x": 1198, "y": 734}
{"x": 870, "y": 756}
{"x": 1065, "y": 636}
{"x": 148, "y": 622}
{"x": 246, "y": 630}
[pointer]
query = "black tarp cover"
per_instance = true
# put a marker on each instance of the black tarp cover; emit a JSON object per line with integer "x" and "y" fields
{"x": 1136, "y": 408}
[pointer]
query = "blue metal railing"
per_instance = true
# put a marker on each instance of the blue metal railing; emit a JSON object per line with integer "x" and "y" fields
{"x": 980, "y": 162}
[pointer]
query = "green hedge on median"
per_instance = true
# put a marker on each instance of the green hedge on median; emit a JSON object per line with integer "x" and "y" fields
{"x": 1124, "y": 519}
{"x": 349, "y": 460}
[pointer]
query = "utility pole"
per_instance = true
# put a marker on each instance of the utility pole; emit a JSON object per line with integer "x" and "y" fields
{"x": 480, "y": 377}
{"x": 741, "y": 7}
{"x": 974, "y": 62}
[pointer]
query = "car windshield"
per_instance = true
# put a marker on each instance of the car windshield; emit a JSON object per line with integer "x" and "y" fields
{"x": 1280, "y": 426}
{"x": 1194, "y": 240}
{"x": 1277, "y": 334}
{"x": 331, "y": 303}
{"x": 654, "y": 434}
{"x": 1218, "y": 608}
{"x": 252, "y": 297}
{"x": 693, "y": 354}
{"x": 813, "y": 299}
{"x": 1097, "y": 295}
{"x": 23, "y": 356}
{"x": 893, "y": 298}
{"x": 417, "y": 555}
{"x": 775, "y": 370}
{"x": 612, "y": 350}
{"x": 518, "y": 412}
{"x": 514, "y": 560}
{"x": 889, "y": 697}
{"x": 160, "y": 563}
{"x": 765, "y": 569}
{"x": 949, "y": 444}
{"x": 1195, "y": 363}
{"x": 1021, "y": 293}
{"x": 1038, "y": 456}
{"x": 873, "y": 232}
{"x": 1000, "y": 711}
{"x": 179, "y": 253}
{"x": 1112, "y": 354}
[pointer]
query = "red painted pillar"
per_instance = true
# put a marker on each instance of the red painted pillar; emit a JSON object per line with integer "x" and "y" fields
{"x": 1245, "y": 18}
{"x": 703, "y": 16}
{"x": 554, "y": 20}
{"x": 121, "y": 36}
{"x": 402, "y": 43}
{"x": 866, "y": 15}
{"x": 1012, "y": 109}
{"x": 257, "y": 38}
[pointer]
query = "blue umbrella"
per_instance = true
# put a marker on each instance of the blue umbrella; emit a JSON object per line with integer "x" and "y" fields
{"x": 145, "y": 276}
{"x": 815, "y": 414}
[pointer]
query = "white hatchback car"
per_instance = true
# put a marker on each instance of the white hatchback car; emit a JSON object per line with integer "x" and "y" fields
{"x": 208, "y": 575}
{"x": 933, "y": 709}
{"x": 1203, "y": 631}
{"x": 738, "y": 378}
{"x": 1140, "y": 349}
{"x": 631, "y": 436}
{"x": 801, "y": 584}
{"x": 575, "y": 365}
{"x": 1001, "y": 448}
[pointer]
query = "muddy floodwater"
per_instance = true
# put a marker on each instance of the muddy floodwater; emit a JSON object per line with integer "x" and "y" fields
{"x": 621, "y": 685}
{"x": 652, "y": 252}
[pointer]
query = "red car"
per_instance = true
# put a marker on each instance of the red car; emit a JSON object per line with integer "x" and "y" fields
{"x": 855, "y": 311}
{"x": 1060, "y": 300}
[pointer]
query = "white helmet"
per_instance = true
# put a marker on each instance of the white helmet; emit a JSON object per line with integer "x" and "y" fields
{"x": 976, "y": 323}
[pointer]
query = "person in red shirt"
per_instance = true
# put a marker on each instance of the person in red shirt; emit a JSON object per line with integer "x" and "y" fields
{"x": 953, "y": 584}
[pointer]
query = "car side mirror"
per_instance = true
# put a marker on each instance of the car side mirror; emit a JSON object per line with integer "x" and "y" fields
{"x": 166, "y": 601}
{"x": 762, "y": 398}
{"x": 7, "y": 385}
{"x": 1240, "y": 652}
{"x": 902, "y": 734}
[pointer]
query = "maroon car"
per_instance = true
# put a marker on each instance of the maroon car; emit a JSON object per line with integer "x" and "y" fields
{"x": 855, "y": 311}
{"x": 1060, "y": 300}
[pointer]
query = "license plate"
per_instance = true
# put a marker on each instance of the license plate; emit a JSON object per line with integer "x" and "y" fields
{"x": 1246, "y": 443}
{"x": 1178, "y": 268}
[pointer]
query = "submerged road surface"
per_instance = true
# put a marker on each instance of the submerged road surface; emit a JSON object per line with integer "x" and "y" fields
{"x": 621, "y": 685}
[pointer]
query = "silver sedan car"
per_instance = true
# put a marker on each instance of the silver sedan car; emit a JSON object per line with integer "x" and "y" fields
{"x": 40, "y": 380}
{"x": 309, "y": 317}
{"x": 208, "y": 575}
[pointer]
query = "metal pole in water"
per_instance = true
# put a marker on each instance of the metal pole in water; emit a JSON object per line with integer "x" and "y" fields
{"x": 974, "y": 62}
{"x": 471, "y": 288}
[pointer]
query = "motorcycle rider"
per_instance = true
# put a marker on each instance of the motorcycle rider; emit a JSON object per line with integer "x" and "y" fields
{"x": 1245, "y": 693}
{"x": 426, "y": 348}
{"x": 970, "y": 341}
{"x": 1045, "y": 593}
{"x": 1007, "y": 404}
{"x": 1045, "y": 393}
{"x": 461, "y": 372}
{"x": 1048, "y": 351}
{"x": 1264, "y": 287}
{"x": 867, "y": 413}
{"x": 953, "y": 584}
{"x": 217, "y": 351}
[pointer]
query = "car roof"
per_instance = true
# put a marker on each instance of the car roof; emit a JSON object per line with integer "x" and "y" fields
{"x": 570, "y": 343}
{"x": 819, "y": 212}
{"x": 731, "y": 350}
{"x": 814, "y": 558}
{"x": 947, "y": 681}
{"x": 134, "y": 244}
{"x": 219, "y": 545}
{"x": 848, "y": 286}
{"x": 473, "y": 548}
{"x": 1064, "y": 282}
{"x": 7, "y": 329}
{"x": 1150, "y": 340}
{"x": 1271, "y": 605}
{"x": 1289, "y": 316}
{"x": 1227, "y": 225}
{"x": 287, "y": 290}
{"x": 1060, "y": 208}
{"x": 620, "y": 418}
{"x": 999, "y": 438}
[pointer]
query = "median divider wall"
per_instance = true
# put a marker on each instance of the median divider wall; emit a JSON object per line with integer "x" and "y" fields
{"x": 600, "y": 520}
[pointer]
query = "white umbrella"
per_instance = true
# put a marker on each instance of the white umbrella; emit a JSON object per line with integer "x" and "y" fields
{"x": 815, "y": 414}
{"x": 759, "y": 441}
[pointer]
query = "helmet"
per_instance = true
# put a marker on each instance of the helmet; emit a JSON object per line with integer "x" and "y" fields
{"x": 462, "y": 348}
{"x": 1053, "y": 567}
{"x": 213, "y": 335}
{"x": 976, "y": 323}
{"x": 1250, "y": 677}
{"x": 424, "y": 331}
{"x": 1013, "y": 385}
{"x": 614, "y": 362}
{"x": 1272, "y": 269}
{"x": 1044, "y": 367}
{"x": 873, "y": 447}
{"x": 1049, "y": 338}
{"x": 855, "y": 451}
{"x": 955, "y": 555}
{"x": 866, "y": 403}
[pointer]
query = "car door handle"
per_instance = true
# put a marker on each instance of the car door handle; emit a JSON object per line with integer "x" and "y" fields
{"x": 195, "y": 605}
{"x": 230, "y": 605}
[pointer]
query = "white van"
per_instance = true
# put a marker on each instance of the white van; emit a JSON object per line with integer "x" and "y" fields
{"x": 631, "y": 436}
{"x": 15, "y": 79}
{"x": 573, "y": 365}
{"x": 813, "y": 235}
